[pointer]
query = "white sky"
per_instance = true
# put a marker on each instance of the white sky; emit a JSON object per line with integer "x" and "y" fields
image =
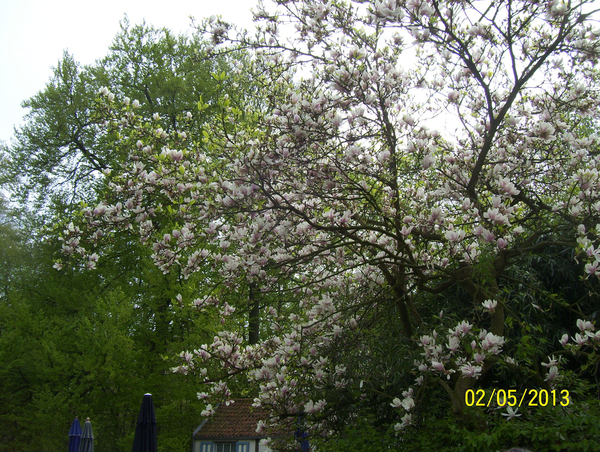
{"x": 34, "y": 34}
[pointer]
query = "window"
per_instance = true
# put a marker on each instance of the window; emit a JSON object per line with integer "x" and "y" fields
{"x": 206, "y": 447}
{"x": 224, "y": 447}
{"x": 242, "y": 447}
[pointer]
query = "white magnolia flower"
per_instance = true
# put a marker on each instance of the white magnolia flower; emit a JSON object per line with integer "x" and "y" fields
{"x": 552, "y": 373}
{"x": 408, "y": 403}
{"x": 209, "y": 411}
{"x": 580, "y": 340}
{"x": 396, "y": 403}
{"x": 552, "y": 362}
{"x": 438, "y": 366}
{"x": 511, "y": 413}
{"x": 453, "y": 344}
{"x": 406, "y": 419}
{"x": 584, "y": 325}
{"x": 507, "y": 186}
{"x": 470, "y": 371}
{"x": 544, "y": 130}
{"x": 492, "y": 343}
{"x": 490, "y": 305}
{"x": 462, "y": 328}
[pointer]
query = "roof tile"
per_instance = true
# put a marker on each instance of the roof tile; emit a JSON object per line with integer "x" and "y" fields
{"x": 238, "y": 420}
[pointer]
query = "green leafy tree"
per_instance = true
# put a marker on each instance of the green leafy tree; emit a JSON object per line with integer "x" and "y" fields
{"x": 91, "y": 343}
{"x": 59, "y": 155}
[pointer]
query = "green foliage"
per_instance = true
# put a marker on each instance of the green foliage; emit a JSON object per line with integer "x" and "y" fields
{"x": 540, "y": 429}
{"x": 91, "y": 343}
{"x": 76, "y": 343}
{"x": 364, "y": 435}
{"x": 58, "y": 156}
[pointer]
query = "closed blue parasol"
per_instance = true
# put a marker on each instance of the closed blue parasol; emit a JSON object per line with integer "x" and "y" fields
{"x": 145, "y": 439}
{"x": 74, "y": 436}
{"x": 87, "y": 438}
{"x": 301, "y": 436}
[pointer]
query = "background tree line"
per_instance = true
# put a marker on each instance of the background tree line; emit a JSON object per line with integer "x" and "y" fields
{"x": 91, "y": 343}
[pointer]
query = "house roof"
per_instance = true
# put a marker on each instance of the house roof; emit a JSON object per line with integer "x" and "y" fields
{"x": 234, "y": 421}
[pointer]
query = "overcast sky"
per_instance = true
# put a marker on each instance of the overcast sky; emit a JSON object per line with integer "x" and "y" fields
{"x": 34, "y": 34}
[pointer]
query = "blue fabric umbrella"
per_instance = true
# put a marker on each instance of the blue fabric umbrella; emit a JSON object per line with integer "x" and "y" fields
{"x": 302, "y": 436}
{"x": 74, "y": 436}
{"x": 87, "y": 438}
{"x": 145, "y": 439}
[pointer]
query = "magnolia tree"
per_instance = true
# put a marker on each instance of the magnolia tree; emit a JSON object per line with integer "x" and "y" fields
{"x": 399, "y": 150}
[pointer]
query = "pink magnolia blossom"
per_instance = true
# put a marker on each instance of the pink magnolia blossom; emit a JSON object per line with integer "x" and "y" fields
{"x": 343, "y": 200}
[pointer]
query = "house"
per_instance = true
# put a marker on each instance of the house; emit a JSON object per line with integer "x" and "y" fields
{"x": 231, "y": 429}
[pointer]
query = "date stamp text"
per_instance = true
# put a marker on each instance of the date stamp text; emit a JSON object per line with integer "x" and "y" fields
{"x": 510, "y": 397}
